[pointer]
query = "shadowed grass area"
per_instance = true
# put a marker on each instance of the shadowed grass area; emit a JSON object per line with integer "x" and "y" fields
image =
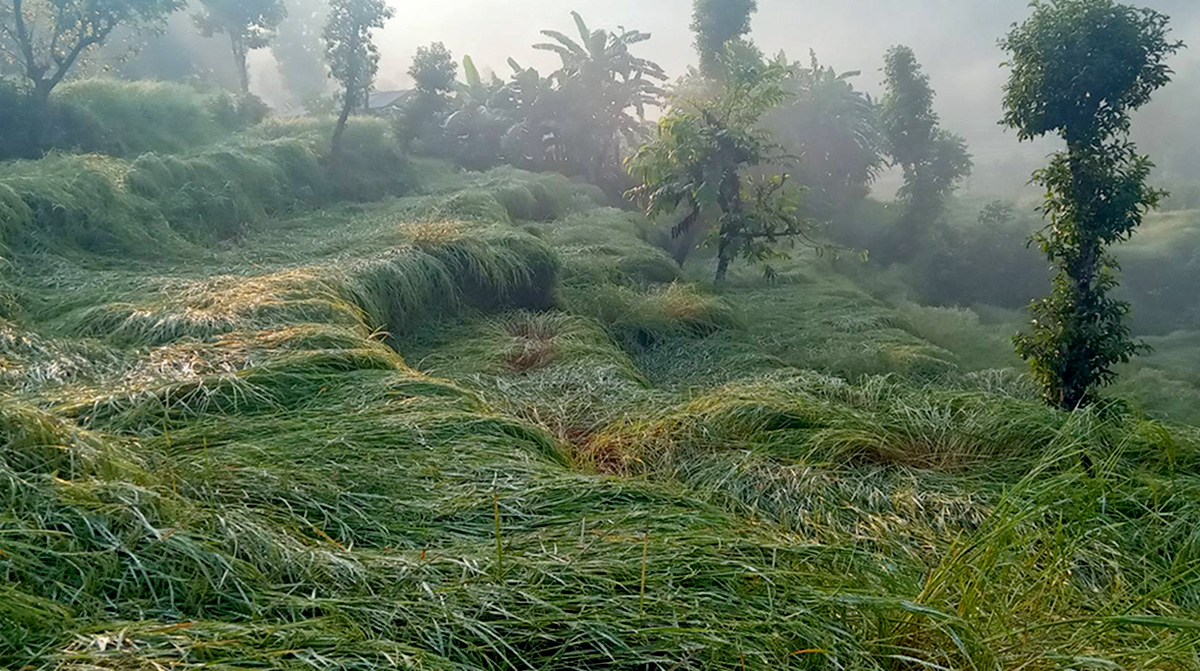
{"x": 489, "y": 427}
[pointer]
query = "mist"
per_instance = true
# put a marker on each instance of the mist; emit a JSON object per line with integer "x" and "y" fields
{"x": 955, "y": 40}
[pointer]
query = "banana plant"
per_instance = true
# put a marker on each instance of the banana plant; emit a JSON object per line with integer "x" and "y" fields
{"x": 534, "y": 141}
{"x": 479, "y": 122}
{"x": 607, "y": 89}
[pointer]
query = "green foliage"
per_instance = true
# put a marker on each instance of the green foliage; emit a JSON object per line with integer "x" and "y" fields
{"x": 352, "y": 55}
{"x": 934, "y": 160}
{"x": 250, "y": 24}
{"x": 581, "y": 120}
{"x": 696, "y": 165}
{"x": 241, "y": 456}
{"x": 19, "y": 116}
{"x": 979, "y": 255}
{"x": 716, "y": 24}
{"x": 599, "y": 84}
{"x": 419, "y": 121}
{"x": 1096, "y": 191}
{"x": 836, "y": 130}
{"x": 433, "y": 69}
{"x": 1126, "y": 47}
{"x": 475, "y": 129}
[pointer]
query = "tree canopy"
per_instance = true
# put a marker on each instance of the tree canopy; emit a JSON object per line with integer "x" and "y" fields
{"x": 605, "y": 90}
{"x": 834, "y": 129}
{"x": 44, "y": 39}
{"x": 433, "y": 69}
{"x": 298, "y": 50}
{"x": 697, "y": 167}
{"x": 250, "y": 24}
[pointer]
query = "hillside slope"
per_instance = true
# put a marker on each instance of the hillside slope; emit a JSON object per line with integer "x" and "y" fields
{"x": 489, "y": 426}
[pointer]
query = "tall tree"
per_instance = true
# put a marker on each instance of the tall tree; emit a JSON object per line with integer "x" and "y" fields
{"x": 298, "y": 51}
{"x": 716, "y": 24}
{"x": 1079, "y": 68}
{"x": 434, "y": 73}
{"x": 698, "y": 163}
{"x": 934, "y": 160}
{"x": 352, "y": 55}
{"x": 250, "y": 24}
{"x": 44, "y": 39}
{"x": 433, "y": 70}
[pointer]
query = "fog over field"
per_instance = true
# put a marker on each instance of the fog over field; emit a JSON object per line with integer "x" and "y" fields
{"x": 955, "y": 40}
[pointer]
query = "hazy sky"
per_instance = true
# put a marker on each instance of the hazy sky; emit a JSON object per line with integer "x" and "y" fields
{"x": 955, "y": 39}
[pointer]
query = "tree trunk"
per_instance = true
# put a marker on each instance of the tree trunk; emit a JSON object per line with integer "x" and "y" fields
{"x": 731, "y": 231}
{"x": 723, "y": 259}
{"x": 41, "y": 118}
{"x": 340, "y": 129}
{"x": 1083, "y": 272}
{"x": 690, "y": 231}
{"x": 239, "y": 61}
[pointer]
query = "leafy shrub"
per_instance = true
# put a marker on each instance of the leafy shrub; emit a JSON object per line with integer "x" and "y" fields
{"x": 16, "y": 118}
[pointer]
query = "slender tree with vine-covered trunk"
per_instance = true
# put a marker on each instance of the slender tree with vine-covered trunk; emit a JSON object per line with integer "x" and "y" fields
{"x": 1079, "y": 68}
{"x": 352, "y": 55}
